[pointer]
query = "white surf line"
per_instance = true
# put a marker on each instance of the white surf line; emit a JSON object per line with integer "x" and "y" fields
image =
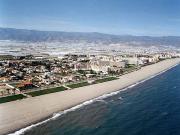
{"x": 56, "y": 115}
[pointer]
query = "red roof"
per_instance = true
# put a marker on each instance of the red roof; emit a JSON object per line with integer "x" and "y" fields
{"x": 27, "y": 83}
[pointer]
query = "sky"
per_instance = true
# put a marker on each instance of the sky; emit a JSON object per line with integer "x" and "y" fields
{"x": 121, "y": 17}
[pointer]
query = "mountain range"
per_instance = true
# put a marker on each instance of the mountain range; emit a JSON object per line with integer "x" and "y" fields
{"x": 60, "y": 36}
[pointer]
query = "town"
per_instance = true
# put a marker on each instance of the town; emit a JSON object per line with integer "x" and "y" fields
{"x": 34, "y": 75}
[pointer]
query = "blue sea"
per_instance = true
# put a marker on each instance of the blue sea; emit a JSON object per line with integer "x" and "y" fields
{"x": 149, "y": 108}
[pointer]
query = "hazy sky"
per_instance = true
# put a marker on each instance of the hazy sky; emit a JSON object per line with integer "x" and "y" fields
{"x": 134, "y": 17}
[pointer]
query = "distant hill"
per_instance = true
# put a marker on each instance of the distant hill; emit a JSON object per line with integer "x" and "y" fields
{"x": 51, "y": 36}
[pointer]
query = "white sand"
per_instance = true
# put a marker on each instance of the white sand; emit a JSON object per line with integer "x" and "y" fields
{"x": 17, "y": 114}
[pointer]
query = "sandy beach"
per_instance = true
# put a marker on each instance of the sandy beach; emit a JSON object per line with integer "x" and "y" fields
{"x": 18, "y": 114}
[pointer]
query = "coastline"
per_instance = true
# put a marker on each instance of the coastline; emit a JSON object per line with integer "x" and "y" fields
{"x": 17, "y": 114}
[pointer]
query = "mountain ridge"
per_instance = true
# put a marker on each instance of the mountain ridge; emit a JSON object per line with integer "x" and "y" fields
{"x": 61, "y": 36}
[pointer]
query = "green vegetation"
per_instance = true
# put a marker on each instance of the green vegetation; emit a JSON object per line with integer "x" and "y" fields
{"x": 76, "y": 85}
{"x": 46, "y": 91}
{"x": 6, "y": 57}
{"x": 86, "y": 72}
{"x": 105, "y": 79}
{"x": 130, "y": 68}
{"x": 81, "y": 72}
{"x": 11, "y": 98}
{"x": 130, "y": 65}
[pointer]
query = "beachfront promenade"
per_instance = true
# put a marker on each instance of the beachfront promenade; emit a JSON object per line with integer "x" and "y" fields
{"x": 17, "y": 114}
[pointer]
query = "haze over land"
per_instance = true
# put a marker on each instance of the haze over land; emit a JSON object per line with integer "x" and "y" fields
{"x": 23, "y": 42}
{"x": 61, "y": 36}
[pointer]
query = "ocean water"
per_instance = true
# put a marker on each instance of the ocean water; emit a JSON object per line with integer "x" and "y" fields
{"x": 149, "y": 108}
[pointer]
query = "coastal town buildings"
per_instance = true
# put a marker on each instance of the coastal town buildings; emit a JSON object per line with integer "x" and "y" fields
{"x": 37, "y": 71}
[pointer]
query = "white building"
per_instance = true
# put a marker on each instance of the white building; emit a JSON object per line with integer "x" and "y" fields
{"x": 100, "y": 66}
{"x": 105, "y": 66}
{"x": 132, "y": 60}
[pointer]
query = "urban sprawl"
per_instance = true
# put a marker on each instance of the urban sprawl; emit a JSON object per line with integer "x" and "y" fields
{"x": 34, "y": 75}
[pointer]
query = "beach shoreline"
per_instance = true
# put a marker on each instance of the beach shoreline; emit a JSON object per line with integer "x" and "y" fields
{"x": 17, "y": 114}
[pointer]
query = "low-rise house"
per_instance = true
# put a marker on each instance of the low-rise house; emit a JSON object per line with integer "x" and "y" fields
{"x": 105, "y": 57}
{"x": 82, "y": 58}
{"x": 25, "y": 85}
{"x": 153, "y": 59}
{"x": 143, "y": 60}
{"x": 164, "y": 56}
{"x": 46, "y": 81}
{"x": 6, "y": 89}
{"x": 4, "y": 79}
{"x": 67, "y": 79}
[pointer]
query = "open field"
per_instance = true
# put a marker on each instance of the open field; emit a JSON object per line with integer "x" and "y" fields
{"x": 46, "y": 91}
{"x": 105, "y": 79}
{"x": 77, "y": 85}
{"x": 11, "y": 98}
